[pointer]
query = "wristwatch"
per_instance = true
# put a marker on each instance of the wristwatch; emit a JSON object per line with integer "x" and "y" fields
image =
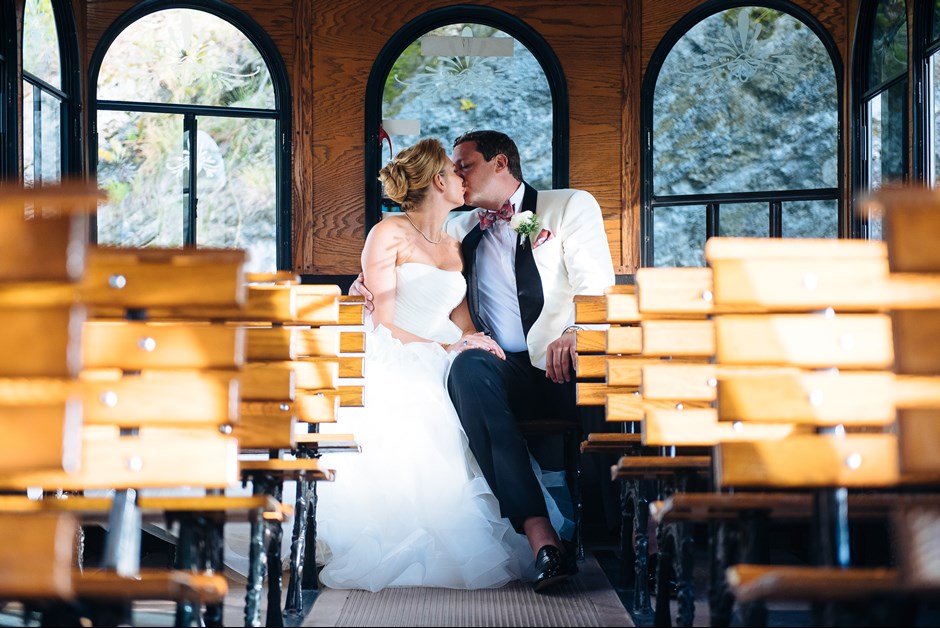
{"x": 570, "y": 329}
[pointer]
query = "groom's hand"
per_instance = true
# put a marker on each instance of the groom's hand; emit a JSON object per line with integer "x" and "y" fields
{"x": 561, "y": 359}
{"x": 358, "y": 287}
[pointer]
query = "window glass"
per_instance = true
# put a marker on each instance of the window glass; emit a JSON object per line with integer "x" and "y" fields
{"x": 29, "y": 154}
{"x": 41, "y": 42}
{"x": 746, "y": 220}
{"x": 51, "y": 137}
{"x": 933, "y": 129}
{"x": 679, "y": 234}
{"x": 208, "y": 141}
{"x": 888, "y": 51}
{"x": 746, "y": 100}
{"x": 237, "y": 206}
{"x": 187, "y": 57}
{"x": 141, "y": 164}
{"x": 810, "y": 219}
{"x": 886, "y": 123}
{"x": 467, "y": 76}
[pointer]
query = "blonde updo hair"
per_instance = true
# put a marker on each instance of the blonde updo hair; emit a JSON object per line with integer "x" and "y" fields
{"x": 407, "y": 177}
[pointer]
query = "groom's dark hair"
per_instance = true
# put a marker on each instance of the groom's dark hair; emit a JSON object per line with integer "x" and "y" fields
{"x": 492, "y": 143}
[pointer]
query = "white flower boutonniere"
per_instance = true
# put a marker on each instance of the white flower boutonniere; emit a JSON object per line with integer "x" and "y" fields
{"x": 526, "y": 224}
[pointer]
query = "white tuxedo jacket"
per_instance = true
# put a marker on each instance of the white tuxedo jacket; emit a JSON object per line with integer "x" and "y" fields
{"x": 574, "y": 260}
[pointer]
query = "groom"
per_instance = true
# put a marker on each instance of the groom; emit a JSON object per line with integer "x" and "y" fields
{"x": 520, "y": 290}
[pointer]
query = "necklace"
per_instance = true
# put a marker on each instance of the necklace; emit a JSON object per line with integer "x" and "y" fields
{"x": 421, "y": 232}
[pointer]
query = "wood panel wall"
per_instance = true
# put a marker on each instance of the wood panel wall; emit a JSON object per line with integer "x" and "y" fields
{"x": 329, "y": 48}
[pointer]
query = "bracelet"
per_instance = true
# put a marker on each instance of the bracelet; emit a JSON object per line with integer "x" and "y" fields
{"x": 570, "y": 329}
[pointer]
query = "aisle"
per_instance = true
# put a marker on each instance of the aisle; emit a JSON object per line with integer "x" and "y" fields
{"x": 586, "y": 600}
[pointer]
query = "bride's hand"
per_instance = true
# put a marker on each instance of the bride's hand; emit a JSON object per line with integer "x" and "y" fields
{"x": 478, "y": 340}
{"x": 358, "y": 287}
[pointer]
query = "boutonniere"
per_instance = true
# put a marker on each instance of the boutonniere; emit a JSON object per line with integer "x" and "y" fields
{"x": 526, "y": 224}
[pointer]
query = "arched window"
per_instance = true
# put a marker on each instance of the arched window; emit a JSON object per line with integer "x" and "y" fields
{"x": 881, "y": 52}
{"x": 50, "y": 92}
{"x": 740, "y": 112}
{"x": 192, "y": 120}
{"x": 441, "y": 75}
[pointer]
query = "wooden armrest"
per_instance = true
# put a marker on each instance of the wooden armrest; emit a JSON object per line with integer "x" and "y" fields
{"x": 152, "y": 584}
{"x": 775, "y": 582}
{"x": 606, "y": 442}
{"x": 307, "y": 468}
{"x": 652, "y": 466}
{"x": 727, "y": 506}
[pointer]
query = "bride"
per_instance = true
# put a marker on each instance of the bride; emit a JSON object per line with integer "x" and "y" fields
{"x": 413, "y": 509}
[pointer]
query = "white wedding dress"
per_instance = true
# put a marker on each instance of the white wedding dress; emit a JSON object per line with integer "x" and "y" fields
{"x": 413, "y": 509}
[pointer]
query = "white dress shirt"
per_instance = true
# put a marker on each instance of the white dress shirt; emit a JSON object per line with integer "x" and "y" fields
{"x": 496, "y": 273}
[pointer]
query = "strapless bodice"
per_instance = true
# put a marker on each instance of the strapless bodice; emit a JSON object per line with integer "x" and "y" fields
{"x": 424, "y": 299}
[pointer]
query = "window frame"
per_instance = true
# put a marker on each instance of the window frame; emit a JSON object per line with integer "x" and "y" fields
{"x": 863, "y": 96}
{"x": 437, "y": 18}
{"x": 775, "y": 199}
{"x": 8, "y": 93}
{"x": 281, "y": 113}
{"x": 70, "y": 119}
{"x": 922, "y": 49}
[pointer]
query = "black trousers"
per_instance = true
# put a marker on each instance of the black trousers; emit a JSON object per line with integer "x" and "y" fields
{"x": 491, "y": 397}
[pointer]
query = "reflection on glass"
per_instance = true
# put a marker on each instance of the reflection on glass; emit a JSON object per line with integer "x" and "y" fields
{"x": 745, "y": 220}
{"x": 450, "y": 95}
{"x": 886, "y": 117}
{"x": 41, "y": 42}
{"x": 810, "y": 219}
{"x": 29, "y": 153}
{"x": 139, "y": 158}
{"x": 185, "y": 56}
{"x": 51, "y": 138}
{"x": 679, "y": 234}
{"x": 745, "y": 101}
{"x": 933, "y": 127}
{"x": 236, "y": 187}
{"x": 888, "y": 54}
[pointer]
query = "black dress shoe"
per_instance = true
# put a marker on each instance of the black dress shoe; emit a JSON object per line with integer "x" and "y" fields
{"x": 552, "y": 567}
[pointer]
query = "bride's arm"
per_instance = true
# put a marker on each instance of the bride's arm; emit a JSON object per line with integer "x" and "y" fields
{"x": 379, "y": 260}
{"x": 471, "y": 338}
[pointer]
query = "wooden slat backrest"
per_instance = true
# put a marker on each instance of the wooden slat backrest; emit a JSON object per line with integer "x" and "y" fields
{"x": 40, "y": 431}
{"x": 41, "y": 341}
{"x": 911, "y": 222}
{"x": 822, "y": 399}
{"x": 138, "y": 345}
{"x": 664, "y": 426}
{"x": 155, "y": 278}
{"x": 51, "y": 219}
{"x": 170, "y": 397}
{"x": 151, "y": 457}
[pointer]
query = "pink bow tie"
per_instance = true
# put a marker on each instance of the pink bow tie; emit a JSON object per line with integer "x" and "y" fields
{"x": 488, "y": 217}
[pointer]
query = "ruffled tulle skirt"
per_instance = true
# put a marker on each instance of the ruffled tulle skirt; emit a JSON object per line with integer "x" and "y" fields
{"x": 412, "y": 509}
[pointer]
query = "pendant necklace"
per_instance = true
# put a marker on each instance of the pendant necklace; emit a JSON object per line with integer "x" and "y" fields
{"x": 421, "y": 232}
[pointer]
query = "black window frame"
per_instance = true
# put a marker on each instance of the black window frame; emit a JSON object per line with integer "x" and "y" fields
{"x": 713, "y": 202}
{"x": 437, "y": 18}
{"x": 282, "y": 113}
{"x": 69, "y": 95}
{"x": 863, "y": 94}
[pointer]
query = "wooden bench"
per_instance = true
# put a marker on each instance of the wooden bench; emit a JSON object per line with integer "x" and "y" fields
{"x": 894, "y": 459}
{"x": 298, "y": 353}
{"x": 49, "y": 411}
{"x": 633, "y": 340}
